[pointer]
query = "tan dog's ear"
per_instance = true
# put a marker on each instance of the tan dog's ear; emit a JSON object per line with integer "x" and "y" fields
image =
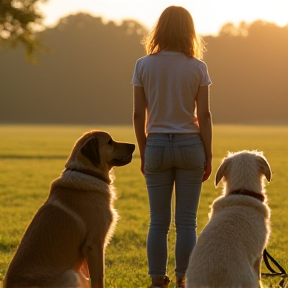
{"x": 264, "y": 167}
{"x": 220, "y": 173}
{"x": 91, "y": 151}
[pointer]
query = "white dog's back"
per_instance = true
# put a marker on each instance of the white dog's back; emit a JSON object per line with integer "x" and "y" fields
{"x": 232, "y": 240}
{"x": 229, "y": 250}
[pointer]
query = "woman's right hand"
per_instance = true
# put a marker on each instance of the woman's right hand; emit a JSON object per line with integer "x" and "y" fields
{"x": 208, "y": 170}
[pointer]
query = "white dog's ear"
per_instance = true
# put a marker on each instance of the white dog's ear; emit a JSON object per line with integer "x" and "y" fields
{"x": 220, "y": 173}
{"x": 264, "y": 167}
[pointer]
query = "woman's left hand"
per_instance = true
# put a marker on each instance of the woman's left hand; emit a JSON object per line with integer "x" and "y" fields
{"x": 142, "y": 164}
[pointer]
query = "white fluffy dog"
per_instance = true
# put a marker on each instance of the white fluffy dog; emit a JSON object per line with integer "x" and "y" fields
{"x": 229, "y": 250}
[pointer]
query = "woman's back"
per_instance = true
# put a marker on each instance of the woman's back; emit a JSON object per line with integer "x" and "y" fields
{"x": 170, "y": 80}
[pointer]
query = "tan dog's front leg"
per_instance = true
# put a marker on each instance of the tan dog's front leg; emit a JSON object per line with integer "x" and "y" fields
{"x": 84, "y": 269}
{"x": 257, "y": 267}
{"x": 95, "y": 260}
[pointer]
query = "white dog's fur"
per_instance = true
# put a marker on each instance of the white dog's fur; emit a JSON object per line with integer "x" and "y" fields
{"x": 229, "y": 250}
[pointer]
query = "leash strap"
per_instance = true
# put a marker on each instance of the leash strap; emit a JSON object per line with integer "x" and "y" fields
{"x": 266, "y": 257}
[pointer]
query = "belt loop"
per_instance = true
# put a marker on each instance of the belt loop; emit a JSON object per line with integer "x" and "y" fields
{"x": 171, "y": 137}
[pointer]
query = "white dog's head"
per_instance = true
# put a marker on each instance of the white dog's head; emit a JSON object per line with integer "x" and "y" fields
{"x": 243, "y": 170}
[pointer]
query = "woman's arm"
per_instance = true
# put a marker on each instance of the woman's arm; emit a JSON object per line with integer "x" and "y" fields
{"x": 139, "y": 120}
{"x": 205, "y": 123}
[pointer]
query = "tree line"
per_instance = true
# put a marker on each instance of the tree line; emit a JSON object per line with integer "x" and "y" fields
{"x": 83, "y": 74}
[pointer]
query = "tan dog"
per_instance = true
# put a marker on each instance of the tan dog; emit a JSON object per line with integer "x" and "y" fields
{"x": 72, "y": 228}
{"x": 229, "y": 250}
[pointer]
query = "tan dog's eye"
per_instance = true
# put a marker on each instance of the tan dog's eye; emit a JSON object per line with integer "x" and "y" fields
{"x": 110, "y": 142}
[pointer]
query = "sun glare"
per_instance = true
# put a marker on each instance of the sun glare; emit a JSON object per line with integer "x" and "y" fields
{"x": 209, "y": 15}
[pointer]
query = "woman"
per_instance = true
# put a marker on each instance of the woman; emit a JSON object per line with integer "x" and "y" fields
{"x": 174, "y": 138}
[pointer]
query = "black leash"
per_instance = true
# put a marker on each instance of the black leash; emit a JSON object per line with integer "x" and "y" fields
{"x": 281, "y": 273}
{"x": 266, "y": 257}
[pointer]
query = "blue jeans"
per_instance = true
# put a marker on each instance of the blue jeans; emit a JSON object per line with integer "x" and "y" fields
{"x": 179, "y": 160}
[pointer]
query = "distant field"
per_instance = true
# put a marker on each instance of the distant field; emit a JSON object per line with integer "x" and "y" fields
{"x": 31, "y": 157}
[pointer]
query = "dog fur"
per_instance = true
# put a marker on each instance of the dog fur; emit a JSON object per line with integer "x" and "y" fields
{"x": 229, "y": 249}
{"x": 65, "y": 242}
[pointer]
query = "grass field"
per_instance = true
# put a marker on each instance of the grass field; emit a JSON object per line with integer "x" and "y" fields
{"x": 31, "y": 157}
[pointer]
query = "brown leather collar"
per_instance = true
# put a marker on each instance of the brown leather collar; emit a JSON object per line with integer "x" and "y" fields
{"x": 89, "y": 172}
{"x": 245, "y": 192}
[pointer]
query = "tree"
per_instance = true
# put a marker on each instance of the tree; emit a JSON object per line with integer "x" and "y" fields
{"x": 18, "y": 23}
{"x": 230, "y": 29}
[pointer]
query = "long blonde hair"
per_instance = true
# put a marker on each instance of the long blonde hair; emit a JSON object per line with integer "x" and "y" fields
{"x": 174, "y": 31}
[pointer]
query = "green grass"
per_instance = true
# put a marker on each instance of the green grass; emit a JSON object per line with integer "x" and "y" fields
{"x": 31, "y": 157}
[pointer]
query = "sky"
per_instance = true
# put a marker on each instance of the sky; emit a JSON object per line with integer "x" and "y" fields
{"x": 208, "y": 15}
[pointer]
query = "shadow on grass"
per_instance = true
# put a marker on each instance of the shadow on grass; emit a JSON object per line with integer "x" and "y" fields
{"x": 25, "y": 157}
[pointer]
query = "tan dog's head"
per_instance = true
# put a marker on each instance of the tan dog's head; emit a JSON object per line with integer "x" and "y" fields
{"x": 243, "y": 170}
{"x": 96, "y": 152}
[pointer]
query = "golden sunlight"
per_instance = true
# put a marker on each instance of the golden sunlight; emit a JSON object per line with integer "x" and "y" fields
{"x": 209, "y": 15}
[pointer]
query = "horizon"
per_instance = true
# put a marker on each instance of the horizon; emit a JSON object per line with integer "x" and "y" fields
{"x": 208, "y": 15}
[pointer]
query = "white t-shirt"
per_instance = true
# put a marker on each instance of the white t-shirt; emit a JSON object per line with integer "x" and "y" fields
{"x": 170, "y": 81}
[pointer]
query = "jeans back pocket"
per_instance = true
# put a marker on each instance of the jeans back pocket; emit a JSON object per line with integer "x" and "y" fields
{"x": 193, "y": 155}
{"x": 153, "y": 157}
